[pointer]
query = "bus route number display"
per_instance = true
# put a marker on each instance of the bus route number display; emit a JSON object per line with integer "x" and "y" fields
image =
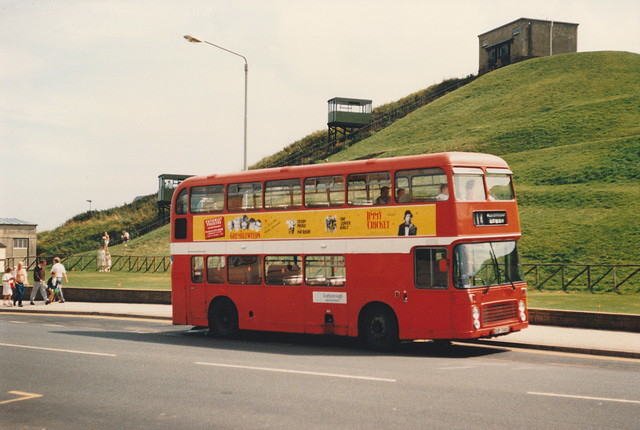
{"x": 490, "y": 218}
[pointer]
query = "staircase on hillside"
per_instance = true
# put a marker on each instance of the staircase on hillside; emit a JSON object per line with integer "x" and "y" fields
{"x": 348, "y": 137}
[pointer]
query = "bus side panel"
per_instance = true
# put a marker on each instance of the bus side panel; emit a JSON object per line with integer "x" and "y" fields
{"x": 197, "y": 304}
{"x": 385, "y": 279}
{"x": 431, "y": 310}
{"x": 250, "y": 303}
{"x": 325, "y": 310}
{"x": 178, "y": 291}
{"x": 284, "y": 308}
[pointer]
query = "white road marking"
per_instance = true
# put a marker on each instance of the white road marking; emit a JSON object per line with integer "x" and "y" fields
{"x": 24, "y": 396}
{"x": 457, "y": 368}
{"x": 71, "y": 351}
{"x": 299, "y": 372}
{"x": 602, "y": 399}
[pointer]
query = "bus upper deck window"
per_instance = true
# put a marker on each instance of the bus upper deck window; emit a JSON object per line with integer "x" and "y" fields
{"x": 367, "y": 189}
{"x": 244, "y": 197}
{"x": 326, "y": 191}
{"x": 182, "y": 202}
{"x": 282, "y": 194}
{"x": 421, "y": 185}
{"x": 499, "y": 184}
{"x": 207, "y": 199}
{"x": 469, "y": 184}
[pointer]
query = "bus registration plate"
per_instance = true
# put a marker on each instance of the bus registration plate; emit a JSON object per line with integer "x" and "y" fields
{"x": 501, "y": 330}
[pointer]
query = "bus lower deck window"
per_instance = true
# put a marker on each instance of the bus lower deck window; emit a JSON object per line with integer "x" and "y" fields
{"x": 244, "y": 269}
{"x": 325, "y": 270}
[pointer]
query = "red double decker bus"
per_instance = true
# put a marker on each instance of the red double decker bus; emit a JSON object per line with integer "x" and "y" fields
{"x": 419, "y": 247}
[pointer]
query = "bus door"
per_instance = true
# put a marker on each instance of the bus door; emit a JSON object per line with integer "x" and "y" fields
{"x": 197, "y": 306}
{"x": 325, "y": 296}
{"x": 431, "y": 299}
{"x": 283, "y": 293}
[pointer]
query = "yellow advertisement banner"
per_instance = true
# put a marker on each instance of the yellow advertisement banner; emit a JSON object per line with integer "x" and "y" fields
{"x": 325, "y": 223}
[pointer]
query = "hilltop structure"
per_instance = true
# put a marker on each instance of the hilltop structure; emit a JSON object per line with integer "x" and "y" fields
{"x": 523, "y": 39}
{"x": 168, "y": 183}
{"x": 347, "y": 115}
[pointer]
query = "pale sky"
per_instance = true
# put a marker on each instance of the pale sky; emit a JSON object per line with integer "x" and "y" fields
{"x": 99, "y": 97}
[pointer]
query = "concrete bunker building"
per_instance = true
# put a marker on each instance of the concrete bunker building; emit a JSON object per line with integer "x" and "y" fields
{"x": 523, "y": 39}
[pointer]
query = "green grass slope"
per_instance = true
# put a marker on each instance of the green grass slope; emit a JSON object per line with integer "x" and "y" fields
{"x": 155, "y": 243}
{"x": 569, "y": 127}
{"x": 84, "y": 231}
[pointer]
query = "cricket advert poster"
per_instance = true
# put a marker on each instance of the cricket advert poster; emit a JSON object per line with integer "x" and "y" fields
{"x": 325, "y": 223}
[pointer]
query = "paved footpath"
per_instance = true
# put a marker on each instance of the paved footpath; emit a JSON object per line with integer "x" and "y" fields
{"x": 552, "y": 338}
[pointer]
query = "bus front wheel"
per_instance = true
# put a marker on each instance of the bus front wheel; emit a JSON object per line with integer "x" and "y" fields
{"x": 379, "y": 329}
{"x": 223, "y": 319}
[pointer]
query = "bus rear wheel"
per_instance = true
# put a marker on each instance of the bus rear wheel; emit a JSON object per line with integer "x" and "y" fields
{"x": 223, "y": 319}
{"x": 379, "y": 329}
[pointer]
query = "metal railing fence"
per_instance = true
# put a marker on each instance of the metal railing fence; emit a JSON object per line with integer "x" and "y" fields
{"x": 119, "y": 263}
{"x": 619, "y": 278}
{"x": 595, "y": 278}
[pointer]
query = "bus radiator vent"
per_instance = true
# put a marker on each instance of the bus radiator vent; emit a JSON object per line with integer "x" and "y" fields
{"x": 498, "y": 312}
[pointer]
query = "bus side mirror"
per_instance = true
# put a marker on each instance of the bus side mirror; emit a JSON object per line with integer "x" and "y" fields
{"x": 443, "y": 265}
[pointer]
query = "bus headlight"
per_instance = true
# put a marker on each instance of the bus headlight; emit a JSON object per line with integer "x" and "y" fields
{"x": 522, "y": 308}
{"x": 475, "y": 313}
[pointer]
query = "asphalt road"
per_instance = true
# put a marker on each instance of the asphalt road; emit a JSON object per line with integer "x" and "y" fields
{"x": 64, "y": 372}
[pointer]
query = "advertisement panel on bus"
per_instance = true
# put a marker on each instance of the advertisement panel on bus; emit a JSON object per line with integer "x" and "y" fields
{"x": 327, "y": 223}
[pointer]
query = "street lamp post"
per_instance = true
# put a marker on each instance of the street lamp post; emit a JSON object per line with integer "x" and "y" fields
{"x": 246, "y": 77}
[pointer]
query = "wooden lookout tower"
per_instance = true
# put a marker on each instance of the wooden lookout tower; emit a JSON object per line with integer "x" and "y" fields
{"x": 168, "y": 184}
{"x": 347, "y": 115}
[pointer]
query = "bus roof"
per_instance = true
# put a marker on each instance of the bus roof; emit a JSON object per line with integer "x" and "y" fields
{"x": 461, "y": 159}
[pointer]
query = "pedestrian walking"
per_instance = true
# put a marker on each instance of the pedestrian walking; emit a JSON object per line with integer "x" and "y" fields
{"x": 51, "y": 289}
{"x": 38, "y": 283}
{"x": 7, "y": 286}
{"x": 105, "y": 239}
{"x": 21, "y": 281}
{"x": 57, "y": 273}
{"x": 125, "y": 238}
{"x": 101, "y": 260}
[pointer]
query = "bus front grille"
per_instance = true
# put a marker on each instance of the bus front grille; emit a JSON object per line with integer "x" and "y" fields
{"x": 497, "y": 312}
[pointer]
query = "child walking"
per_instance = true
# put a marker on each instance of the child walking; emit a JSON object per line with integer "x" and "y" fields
{"x": 7, "y": 280}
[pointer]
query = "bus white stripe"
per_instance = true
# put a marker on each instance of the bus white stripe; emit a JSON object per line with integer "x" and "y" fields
{"x": 388, "y": 245}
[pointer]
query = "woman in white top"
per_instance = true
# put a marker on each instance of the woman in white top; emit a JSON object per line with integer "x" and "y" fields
{"x": 7, "y": 279}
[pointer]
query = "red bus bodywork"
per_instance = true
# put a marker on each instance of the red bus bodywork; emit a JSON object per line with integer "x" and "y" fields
{"x": 381, "y": 270}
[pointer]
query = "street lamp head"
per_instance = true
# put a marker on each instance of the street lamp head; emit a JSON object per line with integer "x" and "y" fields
{"x": 192, "y": 39}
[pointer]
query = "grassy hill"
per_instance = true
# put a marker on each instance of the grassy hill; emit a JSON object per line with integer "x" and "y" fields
{"x": 154, "y": 243}
{"x": 84, "y": 231}
{"x": 569, "y": 127}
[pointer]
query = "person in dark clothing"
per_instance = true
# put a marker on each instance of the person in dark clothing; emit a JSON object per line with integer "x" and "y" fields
{"x": 39, "y": 283}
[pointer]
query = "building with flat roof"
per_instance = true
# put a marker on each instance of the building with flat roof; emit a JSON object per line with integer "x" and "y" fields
{"x": 19, "y": 239}
{"x": 523, "y": 39}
